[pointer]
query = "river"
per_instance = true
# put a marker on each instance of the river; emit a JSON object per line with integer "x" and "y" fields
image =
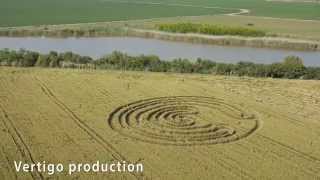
{"x": 166, "y": 50}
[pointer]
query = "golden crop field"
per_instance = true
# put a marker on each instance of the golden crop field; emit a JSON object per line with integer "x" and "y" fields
{"x": 179, "y": 126}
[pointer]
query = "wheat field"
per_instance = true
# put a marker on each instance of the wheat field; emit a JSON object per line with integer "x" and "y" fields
{"x": 180, "y": 126}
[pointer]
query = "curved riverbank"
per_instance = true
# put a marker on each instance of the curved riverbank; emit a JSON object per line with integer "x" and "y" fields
{"x": 122, "y": 31}
{"x": 258, "y": 42}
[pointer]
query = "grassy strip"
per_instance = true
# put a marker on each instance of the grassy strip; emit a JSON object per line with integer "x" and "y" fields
{"x": 210, "y": 29}
{"x": 61, "y": 32}
{"x": 291, "y": 67}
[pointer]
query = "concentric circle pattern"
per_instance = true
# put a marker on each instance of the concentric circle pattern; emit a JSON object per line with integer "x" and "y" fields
{"x": 183, "y": 120}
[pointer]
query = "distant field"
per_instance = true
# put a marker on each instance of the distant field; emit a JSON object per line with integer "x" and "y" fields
{"x": 37, "y": 12}
{"x": 179, "y": 126}
{"x": 282, "y": 27}
{"x": 295, "y": 1}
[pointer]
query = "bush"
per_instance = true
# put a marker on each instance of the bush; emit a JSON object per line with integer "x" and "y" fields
{"x": 210, "y": 29}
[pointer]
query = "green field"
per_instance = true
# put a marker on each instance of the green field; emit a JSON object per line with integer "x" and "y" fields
{"x": 37, "y": 12}
{"x": 281, "y": 27}
{"x": 179, "y": 126}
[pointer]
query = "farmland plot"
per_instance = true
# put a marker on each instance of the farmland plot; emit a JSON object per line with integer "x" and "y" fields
{"x": 178, "y": 126}
{"x": 39, "y": 12}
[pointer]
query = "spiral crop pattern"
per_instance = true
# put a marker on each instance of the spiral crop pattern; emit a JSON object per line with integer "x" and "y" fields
{"x": 183, "y": 121}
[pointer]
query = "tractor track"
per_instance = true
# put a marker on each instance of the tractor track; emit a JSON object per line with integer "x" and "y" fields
{"x": 20, "y": 143}
{"x": 82, "y": 125}
{"x": 8, "y": 161}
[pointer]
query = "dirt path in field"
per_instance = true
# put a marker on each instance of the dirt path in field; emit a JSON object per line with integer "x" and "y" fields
{"x": 241, "y": 11}
{"x": 19, "y": 142}
{"x": 275, "y": 18}
{"x": 17, "y": 139}
{"x": 87, "y": 129}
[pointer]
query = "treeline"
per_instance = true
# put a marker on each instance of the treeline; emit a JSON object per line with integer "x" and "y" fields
{"x": 24, "y": 58}
{"x": 210, "y": 29}
{"x": 292, "y": 67}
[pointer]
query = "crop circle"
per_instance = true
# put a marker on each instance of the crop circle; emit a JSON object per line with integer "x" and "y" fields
{"x": 183, "y": 121}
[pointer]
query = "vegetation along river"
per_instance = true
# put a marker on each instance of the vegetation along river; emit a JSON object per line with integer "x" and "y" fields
{"x": 166, "y": 50}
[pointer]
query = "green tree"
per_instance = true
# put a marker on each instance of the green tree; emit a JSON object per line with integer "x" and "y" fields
{"x": 43, "y": 61}
{"x": 29, "y": 59}
{"x": 293, "y": 67}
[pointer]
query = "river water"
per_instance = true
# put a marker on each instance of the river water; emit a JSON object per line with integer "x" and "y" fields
{"x": 166, "y": 50}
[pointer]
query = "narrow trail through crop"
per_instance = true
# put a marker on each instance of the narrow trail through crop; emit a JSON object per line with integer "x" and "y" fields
{"x": 5, "y": 165}
{"x": 19, "y": 142}
{"x": 86, "y": 128}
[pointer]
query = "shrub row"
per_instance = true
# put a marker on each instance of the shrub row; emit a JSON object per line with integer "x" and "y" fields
{"x": 292, "y": 67}
{"x": 210, "y": 29}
